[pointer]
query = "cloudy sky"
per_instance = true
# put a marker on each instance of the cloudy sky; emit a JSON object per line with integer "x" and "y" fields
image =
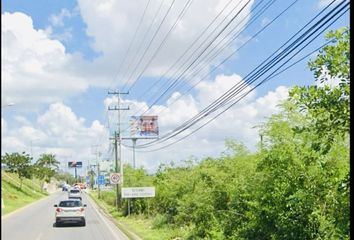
{"x": 60, "y": 60}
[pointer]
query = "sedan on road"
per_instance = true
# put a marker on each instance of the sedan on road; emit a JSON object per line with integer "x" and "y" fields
{"x": 75, "y": 193}
{"x": 70, "y": 211}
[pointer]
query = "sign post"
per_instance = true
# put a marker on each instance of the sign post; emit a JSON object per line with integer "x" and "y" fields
{"x": 138, "y": 192}
{"x": 75, "y": 164}
{"x": 115, "y": 178}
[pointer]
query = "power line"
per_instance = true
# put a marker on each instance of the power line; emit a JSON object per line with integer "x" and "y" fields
{"x": 142, "y": 41}
{"x": 133, "y": 39}
{"x": 285, "y": 52}
{"x": 218, "y": 34}
{"x": 257, "y": 15}
{"x": 229, "y": 56}
{"x": 174, "y": 84}
{"x": 149, "y": 44}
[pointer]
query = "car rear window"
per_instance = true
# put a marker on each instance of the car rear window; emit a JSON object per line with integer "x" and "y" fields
{"x": 74, "y": 191}
{"x": 70, "y": 204}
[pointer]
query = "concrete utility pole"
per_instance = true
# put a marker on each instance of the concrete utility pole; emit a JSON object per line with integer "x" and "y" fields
{"x": 118, "y": 141}
{"x": 134, "y": 144}
{"x": 97, "y": 154}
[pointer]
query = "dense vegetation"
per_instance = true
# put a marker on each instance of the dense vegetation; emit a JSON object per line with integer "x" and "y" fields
{"x": 296, "y": 186}
{"x": 21, "y": 164}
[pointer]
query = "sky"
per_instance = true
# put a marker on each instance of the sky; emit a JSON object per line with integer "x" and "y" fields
{"x": 61, "y": 60}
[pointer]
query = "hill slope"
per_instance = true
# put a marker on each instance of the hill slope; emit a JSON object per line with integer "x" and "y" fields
{"x": 14, "y": 197}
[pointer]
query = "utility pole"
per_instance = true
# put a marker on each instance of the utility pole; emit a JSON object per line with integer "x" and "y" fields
{"x": 97, "y": 154}
{"x": 32, "y": 173}
{"x": 98, "y": 185}
{"x": 118, "y": 141}
{"x": 134, "y": 144}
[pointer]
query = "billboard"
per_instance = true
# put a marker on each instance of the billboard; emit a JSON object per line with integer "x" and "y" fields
{"x": 75, "y": 164}
{"x": 144, "y": 127}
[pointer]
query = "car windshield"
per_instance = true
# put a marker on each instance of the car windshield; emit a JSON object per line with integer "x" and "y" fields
{"x": 70, "y": 204}
{"x": 75, "y": 191}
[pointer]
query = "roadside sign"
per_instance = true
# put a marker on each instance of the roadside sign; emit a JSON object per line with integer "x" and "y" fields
{"x": 138, "y": 192}
{"x": 100, "y": 180}
{"x": 115, "y": 178}
{"x": 87, "y": 180}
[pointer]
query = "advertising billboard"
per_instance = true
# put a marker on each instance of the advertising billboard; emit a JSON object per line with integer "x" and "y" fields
{"x": 144, "y": 127}
{"x": 75, "y": 164}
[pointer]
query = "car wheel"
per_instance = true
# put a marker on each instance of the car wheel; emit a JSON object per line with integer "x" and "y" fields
{"x": 83, "y": 223}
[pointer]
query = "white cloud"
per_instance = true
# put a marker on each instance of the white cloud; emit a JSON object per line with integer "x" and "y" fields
{"x": 34, "y": 67}
{"x": 120, "y": 19}
{"x": 324, "y": 3}
{"x": 58, "y": 131}
{"x": 47, "y": 74}
{"x": 239, "y": 122}
{"x": 58, "y": 20}
{"x": 32, "y": 59}
{"x": 265, "y": 21}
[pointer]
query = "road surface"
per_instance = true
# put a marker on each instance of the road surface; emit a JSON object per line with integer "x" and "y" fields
{"x": 37, "y": 222}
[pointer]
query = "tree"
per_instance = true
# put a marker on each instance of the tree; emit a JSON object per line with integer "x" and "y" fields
{"x": 304, "y": 193}
{"x": 66, "y": 177}
{"x": 92, "y": 175}
{"x": 46, "y": 167}
{"x": 18, "y": 163}
{"x": 326, "y": 105}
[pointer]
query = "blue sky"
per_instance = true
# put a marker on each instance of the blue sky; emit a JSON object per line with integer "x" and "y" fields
{"x": 58, "y": 72}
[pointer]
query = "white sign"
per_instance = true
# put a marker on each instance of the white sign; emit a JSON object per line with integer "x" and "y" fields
{"x": 115, "y": 178}
{"x": 138, "y": 192}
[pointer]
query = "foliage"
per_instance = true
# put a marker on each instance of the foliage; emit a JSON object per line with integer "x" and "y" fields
{"x": 296, "y": 187}
{"x": 66, "y": 177}
{"x": 328, "y": 106}
{"x": 46, "y": 166}
{"x": 18, "y": 163}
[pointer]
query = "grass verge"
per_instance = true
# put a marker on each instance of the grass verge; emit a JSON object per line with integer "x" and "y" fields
{"x": 138, "y": 226}
{"x": 14, "y": 197}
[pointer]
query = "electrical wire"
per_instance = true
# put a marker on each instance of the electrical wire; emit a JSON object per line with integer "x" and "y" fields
{"x": 289, "y": 50}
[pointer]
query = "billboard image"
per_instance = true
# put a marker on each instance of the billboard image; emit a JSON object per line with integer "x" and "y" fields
{"x": 144, "y": 127}
{"x": 75, "y": 164}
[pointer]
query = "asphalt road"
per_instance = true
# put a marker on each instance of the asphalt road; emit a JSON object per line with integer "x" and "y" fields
{"x": 37, "y": 222}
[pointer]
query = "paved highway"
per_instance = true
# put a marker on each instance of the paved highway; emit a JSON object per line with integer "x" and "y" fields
{"x": 37, "y": 222}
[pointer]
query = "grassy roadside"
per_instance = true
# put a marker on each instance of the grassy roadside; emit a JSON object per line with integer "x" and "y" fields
{"x": 15, "y": 197}
{"x": 137, "y": 224}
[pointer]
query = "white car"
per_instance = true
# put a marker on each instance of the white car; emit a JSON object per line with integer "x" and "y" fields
{"x": 74, "y": 194}
{"x": 70, "y": 211}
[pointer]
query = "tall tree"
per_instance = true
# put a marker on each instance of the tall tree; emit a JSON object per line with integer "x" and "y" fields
{"x": 328, "y": 105}
{"x": 18, "y": 163}
{"x": 46, "y": 166}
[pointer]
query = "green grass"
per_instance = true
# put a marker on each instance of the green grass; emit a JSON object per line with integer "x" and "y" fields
{"x": 15, "y": 197}
{"x": 140, "y": 224}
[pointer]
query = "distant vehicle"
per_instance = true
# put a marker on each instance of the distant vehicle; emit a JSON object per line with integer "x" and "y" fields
{"x": 80, "y": 185}
{"x": 65, "y": 187}
{"x": 70, "y": 211}
{"x": 74, "y": 194}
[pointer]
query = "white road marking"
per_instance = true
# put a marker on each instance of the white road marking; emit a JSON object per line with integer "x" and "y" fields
{"x": 105, "y": 221}
{"x": 39, "y": 236}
